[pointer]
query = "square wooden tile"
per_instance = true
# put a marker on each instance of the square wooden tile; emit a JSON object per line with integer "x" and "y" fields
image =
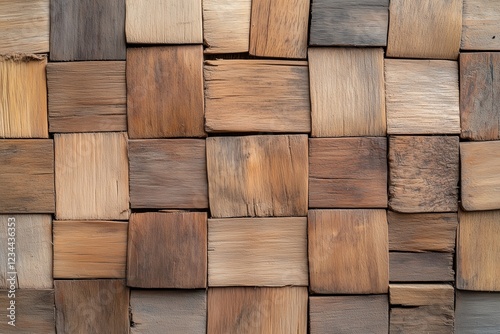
{"x": 477, "y": 312}
{"x": 480, "y": 26}
{"x": 421, "y": 267}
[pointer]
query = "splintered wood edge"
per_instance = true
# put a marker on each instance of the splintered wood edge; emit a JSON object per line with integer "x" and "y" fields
{"x": 23, "y": 57}
{"x": 252, "y": 62}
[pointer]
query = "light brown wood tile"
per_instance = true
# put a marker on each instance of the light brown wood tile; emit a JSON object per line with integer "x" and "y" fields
{"x": 480, "y": 25}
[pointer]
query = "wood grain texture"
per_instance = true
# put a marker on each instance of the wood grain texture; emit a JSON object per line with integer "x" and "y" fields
{"x": 422, "y": 294}
{"x": 27, "y": 176}
{"x": 168, "y": 174}
{"x": 257, "y": 252}
{"x": 257, "y": 310}
{"x": 349, "y": 22}
{"x": 32, "y": 239}
{"x": 425, "y": 29}
{"x": 178, "y": 241}
{"x": 165, "y": 91}
{"x": 87, "y": 96}
{"x": 348, "y": 251}
{"x": 91, "y": 176}
{"x": 421, "y": 267}
{"x": 90, "y": 249}
{"x": 92, "y": 306}
{"x": 480, "y": 179}
{"x": 477, "y": 312}
{"x": 23, "y": 96}
{"x": 413, "y": 188}
{"x": 478, "y": 263}
{"x": 348, "y": 172}
{"x": 279, "y": 28}
{"x": 257, "y": 96}
{"x": 73, "y": 36}
{"x": 349, "y": 314}
{"x": 257, "y": 176}
{"x": 164, "y": 22}
{"x": 179, "y": 311}
{"x": 351, "y": 102}
{"x": 407, "y": 82}
{"x": 480, "y": 25}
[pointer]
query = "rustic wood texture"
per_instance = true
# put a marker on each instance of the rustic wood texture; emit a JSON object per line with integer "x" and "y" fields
{"x": 87, "y": 30}
{"x": 348, "y": 172}
{"x": 168, "y": 174}
{"x": 164, "y": 22}
{"x": 478, "y": 263}
{"x": 257, "y": 310}
{"x": 90, "y": 249}
{"x": 87, "y": 96}
{"x": 349, "y": 22}
{"x": 421, "y": 267}
{"x": 422, "y": 96}
{"x": 91, "y": 176}
{"x": 414, "y": 189}
{"x": 27, "y": 176}
{"x": 257, "y": 252}
{"x": 422, "y": 294}
{"x": 177, "y": 311}
{"x": 92, "y": 306}
{"x": 480, "y": 25}
{"x": 23, "y": 96}
{"x": 279, "y": 28}
{"x": 352, "y": 101}
{"x": 422, "y": 232}
{"x": 257, "y": 176}
{"x": 165, "y": 91}
{"x": 425, "y": 29}
{"x": 257, "y": 96}
{"x": 349, "y": 314}
{"x": 178, "y": 241}
{"x": 477, "y": 312}
{"x": 348, "y": 251}
{"x": 480, "y": 177}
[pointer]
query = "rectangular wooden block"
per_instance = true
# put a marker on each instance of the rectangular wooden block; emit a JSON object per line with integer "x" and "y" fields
{"x": 477, "y": 312}
{"x": 413, "y": 188}
{"x": 421, "y": 267}
{"x": 347, "y": 92}
{"x": 348, "y": 251}
{"x": 257, "y": 96}
{"x": 23, "y": 103}
{"x": 178, "y": 241}
{"x": 348, "y": 172}
{"x": 480, "y": 25}
{"x": 87, "y": 96}
{"x": 91, "y": 176}
{"x": 257, "y": 176}
{"x": 168, "y": 174}
{"x": 257, "y": 252}
{"x": 422, "y": 295}
{"x": 27, "y": 176}
{"x": 165, "y": 91}
{"x": 257, "y": 310}
{"x": 349, "y": 22}
{"x": 422, "y": 97}
{"x": 90, "y": 249}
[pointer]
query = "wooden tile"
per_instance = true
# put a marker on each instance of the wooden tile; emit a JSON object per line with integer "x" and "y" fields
{"x": 178, "y": 241}
{"x": 421, "y": 267}
{"x": 74, "y": 36}
{"x": 257, "y": 252}
{"x": 352, "y": 101}
{"x": 348, "y": 251}
{"x": 30, "y": 238}
{"x": 27, "y": 176}
{"x": 165, "y": 91}
{"x": 257, "y": 310}
{"x": 23, "y": 103}
{"x": 478, "y": 263}
{"x": 91, "y": 176}
{"x": 257, "y": 176}
{"x": 477, "y": 312}
{"x": 481, "y": 23}
{"x": 422, "y": 96}
{"x": 430, "y": 189}
{"x": 348, "y": 172}
{"x": 90, "y": 249}
{"x": 87, "y": 96}
{"x": 480, "y": 178}
{"x": 168, "y": 174}
{"x": 279, "y": 28}
{"x": 92, "y": 306}
{"x": 351, "y": 22}
{"x": 425, "y": 29}
{"x": 257, "y": 96}
{"x": 422, "y": 294}
{"x": 349, "y": 314}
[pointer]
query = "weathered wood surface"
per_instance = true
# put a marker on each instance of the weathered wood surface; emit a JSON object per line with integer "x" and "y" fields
{"x": 421, "y": 267}
{"x": 422, "y": 294}
{"x": 477, "y": 312}
{"x": 480, "y": 25}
